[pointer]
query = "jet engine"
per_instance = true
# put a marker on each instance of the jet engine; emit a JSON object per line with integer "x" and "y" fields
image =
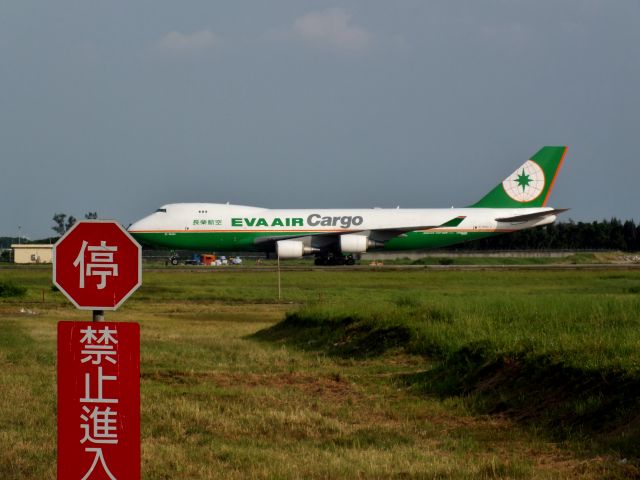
{"x": 287, "y": 249}
{"x": 357, "y": 243}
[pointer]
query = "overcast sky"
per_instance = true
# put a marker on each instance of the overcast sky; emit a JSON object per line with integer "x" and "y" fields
{"x": 122, "y": 106}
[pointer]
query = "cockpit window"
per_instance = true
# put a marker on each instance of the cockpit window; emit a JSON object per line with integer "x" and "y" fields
{"x": 163, "y": 210}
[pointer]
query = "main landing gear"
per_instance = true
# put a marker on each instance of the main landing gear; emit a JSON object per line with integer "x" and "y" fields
{"x": 337, "y": 259}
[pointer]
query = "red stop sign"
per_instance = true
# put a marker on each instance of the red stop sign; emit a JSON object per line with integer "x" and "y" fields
{"x": 97, "y": 265}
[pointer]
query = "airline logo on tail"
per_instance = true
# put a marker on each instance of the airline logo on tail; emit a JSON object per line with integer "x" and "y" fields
{"x": 526, "y": 183}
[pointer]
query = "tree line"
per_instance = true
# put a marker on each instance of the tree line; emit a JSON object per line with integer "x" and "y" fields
{"x": 63, "y": 222}
{"x": 613, "y": 234}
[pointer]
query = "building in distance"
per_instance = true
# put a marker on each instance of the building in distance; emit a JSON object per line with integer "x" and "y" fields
{"x": 31, "y": 253}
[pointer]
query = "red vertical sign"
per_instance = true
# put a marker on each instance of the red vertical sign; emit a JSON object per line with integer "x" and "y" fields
{"x": 98, "y": 401}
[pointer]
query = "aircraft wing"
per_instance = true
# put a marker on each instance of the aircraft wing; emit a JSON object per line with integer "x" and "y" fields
{"x": 378, "y": 234}
{"x": 386, "y": 234}
{"x": 531, "y": 216}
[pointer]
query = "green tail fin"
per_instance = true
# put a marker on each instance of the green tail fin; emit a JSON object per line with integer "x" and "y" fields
{"x": 530, "y": 185}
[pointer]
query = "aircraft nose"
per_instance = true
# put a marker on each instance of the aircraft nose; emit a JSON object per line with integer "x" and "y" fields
{"x": 138, "y": 226}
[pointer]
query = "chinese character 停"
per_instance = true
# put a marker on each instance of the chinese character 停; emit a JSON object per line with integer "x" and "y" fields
{"x": 100, "y": 264}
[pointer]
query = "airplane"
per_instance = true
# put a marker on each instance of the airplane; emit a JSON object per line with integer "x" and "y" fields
{"x": 338, "y": 236}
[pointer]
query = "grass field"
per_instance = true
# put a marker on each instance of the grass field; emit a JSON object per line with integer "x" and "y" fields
{"x": 355, "y": 374}
{"x": 582, "y": 258}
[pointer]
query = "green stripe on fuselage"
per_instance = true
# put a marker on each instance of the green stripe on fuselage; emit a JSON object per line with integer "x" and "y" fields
{"x": 246, "y": 241}
{"x": 433, "y": 239}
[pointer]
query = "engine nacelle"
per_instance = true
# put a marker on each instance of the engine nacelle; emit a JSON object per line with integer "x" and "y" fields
{"x": 287, "y": 249}
{"x": 357, "y": 243}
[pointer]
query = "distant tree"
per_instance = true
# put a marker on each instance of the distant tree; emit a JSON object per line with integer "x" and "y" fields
{"x": 631, "y": 235}
{"x": 91, "y": 215}
{"x": 59, "y": 226}
{"x": 606, "y": 234}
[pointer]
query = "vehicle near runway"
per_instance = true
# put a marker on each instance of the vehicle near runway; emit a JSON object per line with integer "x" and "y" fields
{"x": 335, "y": 236}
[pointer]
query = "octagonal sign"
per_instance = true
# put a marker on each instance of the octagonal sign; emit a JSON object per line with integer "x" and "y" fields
{"x": 97, "y": 265}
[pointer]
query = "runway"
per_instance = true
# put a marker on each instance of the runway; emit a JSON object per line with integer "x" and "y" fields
{"x": 369, "y": 268}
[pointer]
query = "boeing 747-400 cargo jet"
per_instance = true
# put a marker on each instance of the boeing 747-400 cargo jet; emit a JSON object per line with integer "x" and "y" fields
{"x": 334, "y": 236}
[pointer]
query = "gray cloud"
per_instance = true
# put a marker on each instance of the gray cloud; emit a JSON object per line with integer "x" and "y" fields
{"x": 331, "y": 28}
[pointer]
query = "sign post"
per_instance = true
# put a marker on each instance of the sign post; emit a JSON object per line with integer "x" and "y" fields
{"x": 97, "y": 265}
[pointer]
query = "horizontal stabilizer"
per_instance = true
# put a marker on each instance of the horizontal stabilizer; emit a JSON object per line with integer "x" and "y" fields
{"x": 532, "y": 216}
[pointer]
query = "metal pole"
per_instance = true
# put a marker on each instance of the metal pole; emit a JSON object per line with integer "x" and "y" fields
{"x": 279, "y": 282}
{"x": 98, "y": 315}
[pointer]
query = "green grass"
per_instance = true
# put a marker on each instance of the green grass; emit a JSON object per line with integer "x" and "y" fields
{"x": 589, "y": 330}
{"x": 571, "y": 259}
{"x": 554, "y": 350}
{"x": 587, "y": 319}
{"x": 9, "y": 289}
{"x": 349, "y": 390}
